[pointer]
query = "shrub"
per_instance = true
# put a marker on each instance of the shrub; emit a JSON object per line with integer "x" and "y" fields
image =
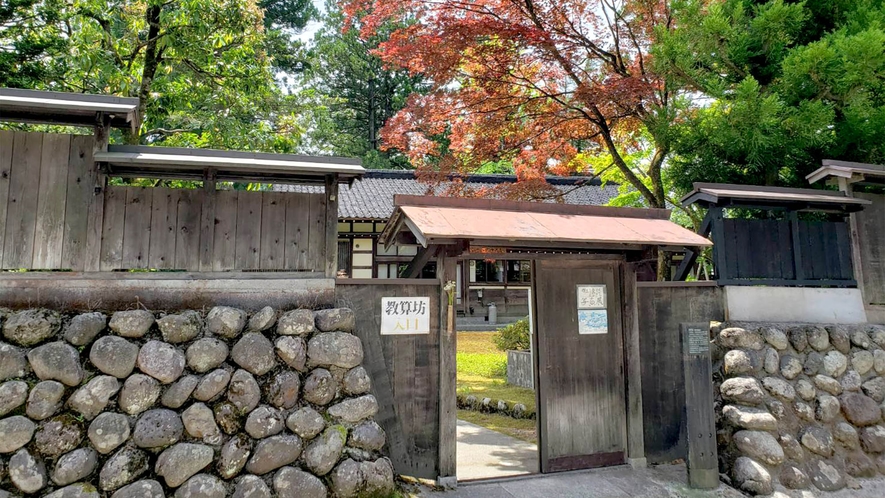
{"x": 514, "y": 336}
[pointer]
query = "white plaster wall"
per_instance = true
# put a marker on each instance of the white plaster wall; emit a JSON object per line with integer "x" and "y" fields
{"x": 794, "y": 304}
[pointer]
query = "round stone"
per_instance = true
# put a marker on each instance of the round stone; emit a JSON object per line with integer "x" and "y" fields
{"x": 12, "y": 395}
{"x": 225, "y": 321}
{"x": 826, "y": 476}
{"x": 370, "y": 436}
{"x": 818, "y": 337}
{"x": 179, "y": 463}
{"x": 738, "y": 362}
{"x": 57, "y": 361}
{"x": 180, "y": 391}
{"x": 30, "y": 327}
{"x": 58, "y": 436}
{"x": 320, "y": 387}
{"x": 74, "y": 466}
{"x": 860, "y": 410}
{"x": 323, "y": 452}
{"x": 157, "y": 429}
{"x": 82, "y": 329}
{"x": 114, "y": 356}
{"x": 13, "y": 362}
{"x": 746, "y": 390}
{"x": 751, "y": 476}
{"x": 878, "y": 361}
{"x": 862, "y": 361}
{"x": 180, "y": 328}
{"x": 771, "y": 361}
{"x": 835, "y": 363}
{"x": 212, "y": 384}
{"x": 791, "y": 367}
{"x": 341, "y": 319}
{"x": 274, "y": 452}
{"x": 804, "y": 410}
{"x": 839, "y": 338}
{"x": 760, "y": 446}
{"x": 805, "y": 389}
{"x": 357, "y": 381}
{"x": 139, "y": 393}
{"x": 26, "y": 472}
{"x": 776, "y": 337}
{"x": 15, "y": 432}
{"x": 814, "y": 363}
{"x": 202, "y": 486}
{"x": 199, "y": 422}
{"x": 147, "y": 488}
{"x": 857, "y": 464}
{"x": 78, "y": 490}
{"x": 161, "y": 361}
{"x": 739, "y": 338}
{"x": 228, "y": 417}
{"x": 347, "y": 479}
{"x": 780, "y": 389}
{"x": 792, "y": 477}
{"x": 851, "y": 381}
{"x": 293, "y": 351}
{"x": 334, "y": 349}
{"x": 827, "y": 408}
{"x": 353, "y": 410}
{"x": 792, "y": 449}
{"x": 206, "y": 354}
{"x": 290, "y": 482}
{"x": 798, "y": 338}
{"x": 297, "y": 323}
{"x": 244, "y": 392}
{"x": 846, "y": 435}
{"x": 263, "y": 320}
{"x": 283, "y": 389}
{"x": 828, "y": 384}
{"x": 108, "y": 431}
{"x": 872, "y": 439}
{"x": 250, "y": 486}
{"x": 818, "y": 440}
{"x": 264, "y": 421}
{"x": 45, "y": 399}
{"x": 744, "y": 417}
{"x": 860, "y": 338}
{"x": 875, "y": 389}
{"x": 234, "y": 455}
{"x": 255, "y": 353}
{"x": 131, "y": 323}
{"x": 122, "y": 468}
{"x": 306, "y": 422}
{"x": 378, "y": 477}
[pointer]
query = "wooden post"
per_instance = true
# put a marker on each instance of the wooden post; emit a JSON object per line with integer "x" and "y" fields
{"x": 703, "y": 467}
{"x": 717, "y": 227}
{"x": 207, "y": 220}
{"x": 331, "y": 266}
{"x": 92, "y": 254}
{"x": 448, "y": 405}
{"x": 798, "y": 271}
{"x": 633, "y": 368}
{"x": 856, "y": 258}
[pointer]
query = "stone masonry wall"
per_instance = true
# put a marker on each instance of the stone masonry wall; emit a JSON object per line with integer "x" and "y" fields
{"x": 151, "y": 405}
{"x": 800, "y": 407}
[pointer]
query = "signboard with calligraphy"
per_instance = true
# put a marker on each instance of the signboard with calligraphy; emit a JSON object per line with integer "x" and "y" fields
{"x": 405, "y": 315}
{"x": 592, "y": 310}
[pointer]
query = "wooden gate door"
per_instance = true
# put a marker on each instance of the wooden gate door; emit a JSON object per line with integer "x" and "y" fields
{"x": 580, "y": 365}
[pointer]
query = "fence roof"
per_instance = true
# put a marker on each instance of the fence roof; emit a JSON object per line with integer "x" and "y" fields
{"x": 72, "y": 109}
{"x": 755, "y": 196}
{"x": 853, "y": 172}
{"x": 171, "y": 162}
{"x": 436, "y": 220}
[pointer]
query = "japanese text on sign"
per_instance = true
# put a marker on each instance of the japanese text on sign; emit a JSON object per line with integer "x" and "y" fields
{"x": 405, "y": 315}
{"x": 591, "y": 297}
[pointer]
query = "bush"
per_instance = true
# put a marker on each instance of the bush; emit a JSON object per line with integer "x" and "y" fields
{"x": 514, "y": 336}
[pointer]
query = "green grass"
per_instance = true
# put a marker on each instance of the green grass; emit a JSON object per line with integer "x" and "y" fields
{"x": 482, "y": 371}
{"x": 523, "y": 429}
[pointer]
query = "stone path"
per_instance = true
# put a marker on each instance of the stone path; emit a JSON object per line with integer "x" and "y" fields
{"x": 664, "y": 481}
{"x": 484, "y": 453}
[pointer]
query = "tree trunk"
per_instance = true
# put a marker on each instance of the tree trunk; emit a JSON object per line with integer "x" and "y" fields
{"x": 151, "y": 64}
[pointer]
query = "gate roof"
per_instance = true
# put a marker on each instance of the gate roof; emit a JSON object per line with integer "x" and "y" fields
{"x": 530, "y": 225}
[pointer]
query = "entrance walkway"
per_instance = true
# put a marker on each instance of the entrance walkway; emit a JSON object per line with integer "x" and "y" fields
{"x": 484, "y": 453}
{"x": 664, "y": 481}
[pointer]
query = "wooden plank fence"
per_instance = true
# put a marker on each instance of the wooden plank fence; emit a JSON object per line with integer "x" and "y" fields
{"x": 47, "y": 190}
{"x": 871, "y": 240}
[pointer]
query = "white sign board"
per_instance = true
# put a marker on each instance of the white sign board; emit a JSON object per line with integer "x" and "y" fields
{"x": 592, "y": 310}
{"x": 405, "y": 315}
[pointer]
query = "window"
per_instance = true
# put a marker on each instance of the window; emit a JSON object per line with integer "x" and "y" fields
{"x": 500, "y": 272}
{"x": 344, "y": 257}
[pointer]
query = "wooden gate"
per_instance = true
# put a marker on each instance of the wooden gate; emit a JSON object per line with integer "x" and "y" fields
{"x": 580, "y": 365}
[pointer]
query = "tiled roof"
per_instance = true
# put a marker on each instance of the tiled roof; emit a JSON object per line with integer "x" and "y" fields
{"x": 372, "y": 197}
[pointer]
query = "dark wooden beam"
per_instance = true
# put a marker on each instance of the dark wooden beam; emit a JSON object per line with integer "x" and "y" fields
{"x": 419, "y": 262}
{"x": 331, "y": 190}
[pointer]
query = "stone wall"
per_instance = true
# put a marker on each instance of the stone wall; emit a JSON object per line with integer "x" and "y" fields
{"x": 800, "y": 407}
{"x": 186, "y": 404}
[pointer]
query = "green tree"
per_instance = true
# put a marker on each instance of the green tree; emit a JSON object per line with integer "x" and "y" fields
{"x": 30, "y": 35}
{"x": 779, "y": 85}
{"x": 353, "y": 93}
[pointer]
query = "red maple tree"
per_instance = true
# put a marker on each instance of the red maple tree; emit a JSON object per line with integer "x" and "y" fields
{"x": 543, "y": 84}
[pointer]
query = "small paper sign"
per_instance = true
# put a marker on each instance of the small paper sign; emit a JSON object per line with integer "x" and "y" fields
{"x": 591, "y": 297}
{"x": 405, "y": 315}
{"x": 592, "y": 310}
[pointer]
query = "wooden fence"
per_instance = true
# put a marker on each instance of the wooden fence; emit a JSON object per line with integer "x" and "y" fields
{"x": 662, "y": 307}
{"x": 784, "y": 252}
{"x": 871, "y": 242}
{"x": 52, "y": 217}
{"x": 404, "y": 370}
